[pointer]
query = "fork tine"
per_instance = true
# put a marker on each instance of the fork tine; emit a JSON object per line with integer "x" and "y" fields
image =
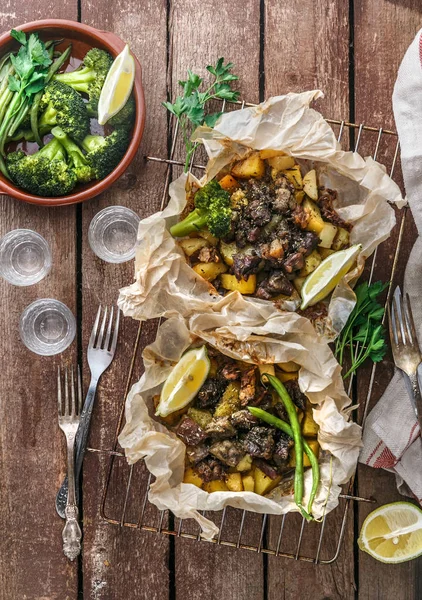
{"x": 397, "y": 322}
{"x": 59, "y": 391}
{"x": 404, "y": 322}
{"x": 391, "y": 327}
{"x": 79, "y": 391}
{"x": 66, "y": 393}
{"x": 101, "y": 334}
{"x": 409, "y": 320}
{"x": 72, "y": 388}
{"x": 94, "y": 329}
{"x": 110, "y": 322}
{"x": 116, "y": 331}
{"x": 399, "y": 309}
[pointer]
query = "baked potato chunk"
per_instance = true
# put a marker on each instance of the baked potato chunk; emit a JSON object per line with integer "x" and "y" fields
{"x": 264, "y": 154}
{"x": 281, "y": 163}
{"x": 248, "y": 482}
{"x": 192, "y": 477}
{"x": 228, "y": 183}
{"x": 234, "y": 482}
{"x": 294, "y": 176}
{"x": 327, "y": 235}
{"x": 289, "y": 367}
{"x": 315, "y": 221}
{"x": 244, "y": 286}
{"x": 210, "y": 271}
{"x": 263, "y": 483}
{"x": 215, "y": 486}
{"x": 245, "y": 464}
{"x": 252, "y": 166}
{"x": 192, "y": 245}
{"x": 312, "y": 261}
{"x": 341, "y": 240}
{"x": 227, "y": 251}
{"x": 313, "y": 444}
{"x": 310, "y": 186}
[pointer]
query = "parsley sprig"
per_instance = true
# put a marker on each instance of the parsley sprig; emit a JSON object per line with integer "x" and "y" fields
{"x": 363, "y": 335}
{"x": 189, "y": 108}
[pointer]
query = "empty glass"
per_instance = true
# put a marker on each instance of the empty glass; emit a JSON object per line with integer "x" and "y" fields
{"x": 112, "y": 234}
{"x": 25, "y": 257}
{"x": 47, "y": 327}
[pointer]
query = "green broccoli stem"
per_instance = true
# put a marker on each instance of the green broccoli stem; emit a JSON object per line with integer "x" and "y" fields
{"x": 69, "y": 145}
{"x": 195, "y": 221}
{"x": 79, "y": 79}
{"x": 3, "y": 168}
{"x": 92, "y": 142}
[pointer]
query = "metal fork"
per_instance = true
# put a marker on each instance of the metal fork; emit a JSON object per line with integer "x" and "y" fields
{"x": 405, "y": 347}
{"x": 100, "y": 354}
{"x": 69, "y": 418}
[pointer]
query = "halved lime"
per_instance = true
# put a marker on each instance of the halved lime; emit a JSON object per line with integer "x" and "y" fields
{"x": 327, "y": 275}
{"x": 184, "y": 382}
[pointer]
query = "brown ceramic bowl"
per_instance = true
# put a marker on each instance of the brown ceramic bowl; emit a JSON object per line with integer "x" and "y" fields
{"x": 82, "y": 37}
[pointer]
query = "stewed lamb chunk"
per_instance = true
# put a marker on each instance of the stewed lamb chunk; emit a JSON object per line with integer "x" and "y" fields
{"x": 210, "y": 393}
{"x": 267, "y": 468}
{"x": 325, "y": 202}
{"x": 295, "y": 394}
{"x": 230, "y": 371}
{"x": 230, "y": 452}
{"x": 243, "y": 419}
{"x": 245, "y": 265}
{"x": 197, "y": 453}
{"x": 210, "y": 469}
{"x": 220, "y": 428}
{"x": 259, "y": 442}
{"x": 276, "y": 284}
{"x": 247, "y": 386}
{"x": 190, "y": 432}
{"x": 282, "y": 448}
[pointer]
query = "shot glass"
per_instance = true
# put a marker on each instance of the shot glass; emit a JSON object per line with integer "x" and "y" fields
{"x": 25, "y": 257}
{"x": 47, "y": 327}
{"x": 112, "y": 234}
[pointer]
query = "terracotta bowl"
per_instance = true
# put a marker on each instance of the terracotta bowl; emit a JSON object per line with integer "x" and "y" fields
{"x": 82, "y": 37}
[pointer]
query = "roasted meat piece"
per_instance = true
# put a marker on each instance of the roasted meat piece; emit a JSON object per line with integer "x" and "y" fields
{"x": 245, "y": 264}
{"x": 243, "y": 419}
{"x": 259, "y": 212}
{"x": 197, "y": 453}
{"x": 295, "y": 394}
{"x": 259, "y": 442}
{"x": 220, "y": 428}
{"x": 253, "y": 234}
{"x": 276, "y": 284}
{"x": 284, "y": 200}
{"x": 281, "y": 411}
{"x": 325, "y": 202}
{"x": 230, "y": 452}
{"x": 210, "y": 393}
{"x": 266, "y": 468}
{"x": 207, "y": 255}
{"x": 304, "y": 242}
{"x": 294, "y": 262}
{"x": 300, "y": 216}
{"x": 190, "y": 432}
{"x": 247, "y": 386}
{"x": 230, "y": 371}
{"x": 210, "y": 469}
{"x": 282, "y": 449}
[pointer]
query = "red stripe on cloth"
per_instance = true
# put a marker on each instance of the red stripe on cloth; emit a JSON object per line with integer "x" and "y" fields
{"x": 412, "y": 431}
{"x": 373, "y": 452}
{"x": 420, "y": 49}
{"x": 385, "y": 460}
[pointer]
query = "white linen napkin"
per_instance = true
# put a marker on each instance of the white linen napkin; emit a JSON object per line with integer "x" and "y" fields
{"x": 391, "y": 437}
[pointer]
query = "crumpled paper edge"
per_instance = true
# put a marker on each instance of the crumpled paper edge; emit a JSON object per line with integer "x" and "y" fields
{"x": 283, "y": 337}
{"x": 165, "y": 285}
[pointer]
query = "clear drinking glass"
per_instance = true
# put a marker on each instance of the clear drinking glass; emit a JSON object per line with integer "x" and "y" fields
{"x": 25, "y": 257}
{"x": 112, "y": 234}
{"x": 47, "y": 327}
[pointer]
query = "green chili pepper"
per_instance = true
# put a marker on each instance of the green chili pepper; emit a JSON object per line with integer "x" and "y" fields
{"x": 280, "y": 424}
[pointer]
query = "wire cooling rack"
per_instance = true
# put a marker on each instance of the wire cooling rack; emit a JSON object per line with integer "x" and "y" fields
{"x": 125, "y": 495}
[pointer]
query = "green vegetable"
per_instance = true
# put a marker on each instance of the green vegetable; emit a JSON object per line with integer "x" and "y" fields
{"x": 212, "y": 210}
{"x": 61, "y": 105}
{"x": 105, "y": 153}
{"x": 125, "y": 118}
{"x": 30, "y": 68}
{"x": 189, "y": 108}
{"x": 363, "y": 333}
{"x": 280, "y": 424}
{"x": 76, "y": 157}
{"x": 90, "y": 78}
{"x": 44, "y": 173}
{"x": 297, "y": 438}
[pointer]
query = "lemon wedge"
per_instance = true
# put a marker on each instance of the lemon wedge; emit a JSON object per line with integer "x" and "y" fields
{"x": 327, "y": 275}
{"x": 393, "y": 533}
{"x": 184, "y": 382}
{"x": 117, "y": 86}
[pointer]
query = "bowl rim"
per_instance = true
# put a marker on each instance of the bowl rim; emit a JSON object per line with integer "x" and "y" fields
{"x": 115, "y": 45}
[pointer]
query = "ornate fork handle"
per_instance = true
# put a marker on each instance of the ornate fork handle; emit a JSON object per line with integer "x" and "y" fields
{"x": 416, "y": 394}
{"x": 72, "y": 532}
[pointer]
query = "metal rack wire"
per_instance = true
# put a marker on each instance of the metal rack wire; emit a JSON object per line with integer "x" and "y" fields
{"x": 125, "y": 503}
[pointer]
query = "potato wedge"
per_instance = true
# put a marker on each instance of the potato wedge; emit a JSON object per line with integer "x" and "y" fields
{"x": 266, "y": 369}
{"x": 207, "y": 235}
{"x": 252, "y": 166}
{"x": 192, "y": 245}
{"x": 310, "y": 186}
{"x": 245, "y": 464}
{"x": 313, "y": 444}
{"x": 299, "y": 196}
{"x": 327, "y": 235}
{"x": 283, "y": 376}
{"x": 227, "y": 251}
{"x": 263, "y": 483}
{"x": 325, "y": 252}
{"x": 281, "y": 163}
{"x": 294, "y": 176}
{"x": 264, "y": 154}
{"x": 228, "y": 183}
{"x": 210, "y": 271}
{"x": 309, "y": 427}
{"x": 289, "y": 367}
{"x": 230, "y": 282}
{"x": 234, "y": 482}
{"x": 298, "y": 283}
{"x": 192, "y": 477}
{"x": 248, "y": 482}
{"x": 315, "y": 221}
{"x": 312, "y": 261}
{"x": 215, "y": 486}
{"x": 341, "y": 240}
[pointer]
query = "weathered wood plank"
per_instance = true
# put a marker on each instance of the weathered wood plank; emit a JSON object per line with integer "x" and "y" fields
{"x": 32, "y": 457}
{"x": 383, "y": 32}
{"x": 306, "y": 47}
{"x": 116, "y": 560}
{"x": 200, "y": 32}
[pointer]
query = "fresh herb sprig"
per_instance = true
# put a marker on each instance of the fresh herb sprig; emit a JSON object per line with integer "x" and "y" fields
{"x": 29, "y": 72}
{"x": 363, "y": 335}
{"x": 189, "y": 108}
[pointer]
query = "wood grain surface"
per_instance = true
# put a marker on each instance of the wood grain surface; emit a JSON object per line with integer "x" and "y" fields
{"x": 351, "y": 50}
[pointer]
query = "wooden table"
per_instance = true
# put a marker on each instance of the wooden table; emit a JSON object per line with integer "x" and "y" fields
{"x": 351, "y": 50}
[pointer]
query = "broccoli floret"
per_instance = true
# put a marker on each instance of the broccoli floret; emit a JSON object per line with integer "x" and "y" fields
{"x": 76, "y": 157}
{"x": 125, "y": 118}
{"x": 212, "y": 210}
{"x": 90, "y": 78}
{"x": 44, "y": 173}
{"x": 61, "y": 105}
{"x": 105, "y": 153}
